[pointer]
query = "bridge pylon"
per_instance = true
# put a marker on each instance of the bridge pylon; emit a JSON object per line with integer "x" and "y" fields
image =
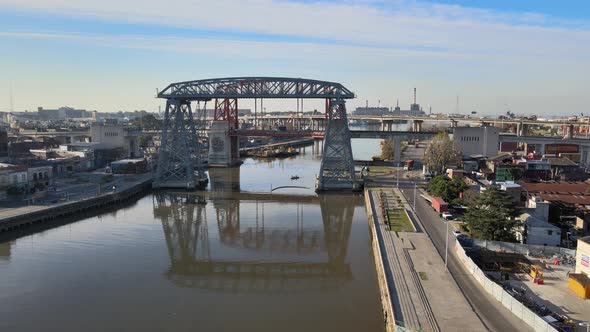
{"x": 337, "y": 166}
{"x": 179, "y": 158}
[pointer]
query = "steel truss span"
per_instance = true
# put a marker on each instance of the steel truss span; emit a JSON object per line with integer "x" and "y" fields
{"x": 255, "y": 87}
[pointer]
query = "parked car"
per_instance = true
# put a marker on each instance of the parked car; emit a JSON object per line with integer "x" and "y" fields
{"x": 456, "y": 233}
{"x": 447, "y": 216}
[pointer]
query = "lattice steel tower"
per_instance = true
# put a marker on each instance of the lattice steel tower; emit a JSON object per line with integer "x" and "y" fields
{"x": 179, "y": 158}
{"x": 337, "y": 167}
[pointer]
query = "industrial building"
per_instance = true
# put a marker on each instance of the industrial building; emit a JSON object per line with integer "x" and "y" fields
{"x": 482, "y": 141}
{"x": 115, "y": 136}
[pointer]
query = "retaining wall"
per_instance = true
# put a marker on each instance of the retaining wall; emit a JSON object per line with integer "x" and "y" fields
{"x": 525, "y": 249}
{"x": 388, "y": 317}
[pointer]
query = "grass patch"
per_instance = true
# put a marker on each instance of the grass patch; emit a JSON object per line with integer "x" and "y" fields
{"x": 399, "y": 221}
{"x": 423, "y": 275}
{"x": 380, "y": 169}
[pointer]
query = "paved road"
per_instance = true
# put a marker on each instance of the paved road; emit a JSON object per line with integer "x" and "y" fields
{"x": 490, "y": 311}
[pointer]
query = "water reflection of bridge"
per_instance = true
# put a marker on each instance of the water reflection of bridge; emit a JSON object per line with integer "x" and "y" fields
{"x": 294, "y": 248}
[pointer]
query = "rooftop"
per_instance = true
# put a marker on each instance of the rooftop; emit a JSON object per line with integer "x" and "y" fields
{"x": 556, "y": 187}
{"x": 561, "y": 161}
{"x": 583, "y": 199}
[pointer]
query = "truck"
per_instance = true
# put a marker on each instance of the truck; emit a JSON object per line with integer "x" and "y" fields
{"x": 439, "y": 205}
{"x": 408, "y": 165}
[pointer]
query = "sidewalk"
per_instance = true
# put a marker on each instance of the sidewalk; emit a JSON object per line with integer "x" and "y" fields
{"x": 424, "y": 296}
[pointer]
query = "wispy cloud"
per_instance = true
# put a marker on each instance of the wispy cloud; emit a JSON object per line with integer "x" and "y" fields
{"x": 466, "y": 45}
{"x": 411, "y": 24}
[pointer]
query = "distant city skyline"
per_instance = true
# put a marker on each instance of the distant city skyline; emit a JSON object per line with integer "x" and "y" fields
{"x": 529, "y": 57}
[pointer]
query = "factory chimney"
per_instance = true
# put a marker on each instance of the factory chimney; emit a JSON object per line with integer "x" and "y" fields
{"x": 414, "y": 96}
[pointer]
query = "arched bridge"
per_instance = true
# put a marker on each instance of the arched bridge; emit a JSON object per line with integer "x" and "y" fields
{"x": 180, "y": 150}
{"x": 255, "y": 87}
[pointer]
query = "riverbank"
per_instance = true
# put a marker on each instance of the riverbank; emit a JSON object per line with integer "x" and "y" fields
{"x": 20, "y": 217}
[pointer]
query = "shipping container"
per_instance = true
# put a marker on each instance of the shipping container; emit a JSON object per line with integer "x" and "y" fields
{"x": 439, "y": 205}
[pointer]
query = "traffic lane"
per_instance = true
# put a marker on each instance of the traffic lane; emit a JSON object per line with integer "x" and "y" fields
{"x": 494, "y": 316}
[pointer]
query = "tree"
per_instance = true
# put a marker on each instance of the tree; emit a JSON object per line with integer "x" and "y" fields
{"x": 446, "y": 188}
{"x": 440, "y": 153}
{"x": 147, "y": 122}
{"x": 491, "y": 216}
{"x": 387, "y": 149}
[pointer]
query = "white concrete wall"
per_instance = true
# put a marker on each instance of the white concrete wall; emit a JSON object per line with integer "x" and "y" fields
{"x": 583, "y": 252}
{"x": 540, "y": 236}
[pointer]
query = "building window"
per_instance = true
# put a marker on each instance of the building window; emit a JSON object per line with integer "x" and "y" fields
{"x": 549, "y": 232}
{"x": 23, "y": 178}
{"x": 34, "y": 176}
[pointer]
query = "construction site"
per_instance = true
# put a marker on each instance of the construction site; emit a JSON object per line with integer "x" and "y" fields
{"x": 540, "y": 280}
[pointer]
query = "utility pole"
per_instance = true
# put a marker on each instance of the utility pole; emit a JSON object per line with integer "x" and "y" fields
{"x": 397, "y": 184}
{"x": 414, "y": 196}
{"x": 447, "y": 246}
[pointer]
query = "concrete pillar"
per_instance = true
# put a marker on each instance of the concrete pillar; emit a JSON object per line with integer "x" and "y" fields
{"x": 397, "y": 149}
{"x": 224, "y": 150}
{"x": 417, "y": 125}
{"x": 570, "y": 131}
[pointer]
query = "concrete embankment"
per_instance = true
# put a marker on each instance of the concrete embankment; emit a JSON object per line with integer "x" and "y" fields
{"x": 34, "y": 215}
{"x": 384, "y": 292}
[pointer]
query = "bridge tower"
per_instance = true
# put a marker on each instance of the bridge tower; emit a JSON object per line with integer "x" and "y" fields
{"x": 337, "y": 166}
{"x": 179, "y": 159}
{"x": 224, "y": 149}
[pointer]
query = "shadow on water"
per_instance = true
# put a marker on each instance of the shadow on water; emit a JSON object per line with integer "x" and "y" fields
{"x": 186, "y": 225}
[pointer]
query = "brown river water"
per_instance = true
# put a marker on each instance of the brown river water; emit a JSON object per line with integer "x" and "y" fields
{"x": 244, "y": 261}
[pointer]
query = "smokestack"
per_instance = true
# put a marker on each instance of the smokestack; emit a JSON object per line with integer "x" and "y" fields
{"x": 367, "y": 103}
{"x": 379, "y": 102}
{"x": 414, "y": 96}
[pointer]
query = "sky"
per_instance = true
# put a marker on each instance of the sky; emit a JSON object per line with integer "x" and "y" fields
{"x": 487, "y": 56}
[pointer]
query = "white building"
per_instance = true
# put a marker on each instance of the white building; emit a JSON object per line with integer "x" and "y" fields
{"x": 536, "y": 228}
{"x": 483, "y": 141}
{"x": 40, "y": 176}
{"x": 115, "y": 136}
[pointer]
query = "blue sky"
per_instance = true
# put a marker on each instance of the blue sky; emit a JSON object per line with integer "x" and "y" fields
{"x": 527, "y": 56}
